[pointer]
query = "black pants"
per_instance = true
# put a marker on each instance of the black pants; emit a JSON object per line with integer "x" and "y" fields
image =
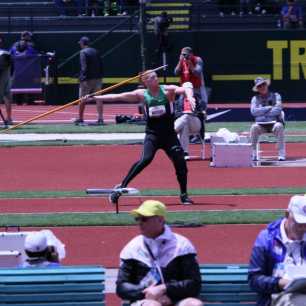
{"x": 171, "y": 145}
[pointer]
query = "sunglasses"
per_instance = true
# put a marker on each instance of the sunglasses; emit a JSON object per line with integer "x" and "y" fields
{"x": 142, "y": 219}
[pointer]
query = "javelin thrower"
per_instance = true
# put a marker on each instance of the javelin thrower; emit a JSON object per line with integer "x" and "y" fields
{"x": 159, "y": 134}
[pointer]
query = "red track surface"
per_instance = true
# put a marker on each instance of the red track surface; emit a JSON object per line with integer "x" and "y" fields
{"x": 81, "y": 167}
{"x": 23, "y": 113}
{"x": 126, "y": 204}
{"x": 91, "y": 245}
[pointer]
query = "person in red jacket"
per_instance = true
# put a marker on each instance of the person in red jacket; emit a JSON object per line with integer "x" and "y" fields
{"x": 190, "y": 69}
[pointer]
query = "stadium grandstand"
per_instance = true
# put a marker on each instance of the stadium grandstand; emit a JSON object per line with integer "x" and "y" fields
{"x": 37, "y": 15}
{"x": 246, "y": 35}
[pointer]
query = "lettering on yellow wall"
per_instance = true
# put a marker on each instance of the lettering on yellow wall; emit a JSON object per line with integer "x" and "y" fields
{"x": 297, "y": 59}
{"x": 277, "y": 47}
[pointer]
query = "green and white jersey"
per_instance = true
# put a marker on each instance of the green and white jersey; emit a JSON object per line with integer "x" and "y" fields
{"x": 159, "y": 112}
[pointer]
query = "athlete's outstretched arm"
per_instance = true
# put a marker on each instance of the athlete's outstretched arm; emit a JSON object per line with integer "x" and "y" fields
{"x": 131, "y": 96}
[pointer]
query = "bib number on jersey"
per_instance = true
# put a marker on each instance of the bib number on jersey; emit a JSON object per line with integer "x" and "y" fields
{"x": 157, "y": 111}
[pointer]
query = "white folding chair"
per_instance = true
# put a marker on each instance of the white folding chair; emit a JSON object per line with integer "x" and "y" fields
{"x": 202, "y": 147}
{"x": 268, "y": 138}
{"x": 202, "y": 152}
{"x": 265, "y": 154}
{"x": 202, "y": 144}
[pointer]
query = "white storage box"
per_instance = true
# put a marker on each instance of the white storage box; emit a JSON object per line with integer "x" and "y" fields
{"x": 214, "y": 138}
{"x": 231, "y": 154}
{"x": 12, "y": 249}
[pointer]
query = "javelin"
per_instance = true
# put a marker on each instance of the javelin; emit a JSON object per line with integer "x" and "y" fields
{"x": 101, "y": 91}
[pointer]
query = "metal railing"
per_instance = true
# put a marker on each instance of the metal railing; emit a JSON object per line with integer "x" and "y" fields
{"x": 214, "y": 15}
{"x": 45, "y": 18}
{"x": 206, "y": 14}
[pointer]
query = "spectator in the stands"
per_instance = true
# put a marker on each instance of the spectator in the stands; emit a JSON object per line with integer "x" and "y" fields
{"x": 64, "y": 5}
{"x": 122, "y": 7}
{"x": 245, "y": 7}
{"x": 117, "y": 7}
{"x": 260, "y": 7}
{"x": 94, "y": 7}
{"x": 105, "y": 7}
{"x": 292, "y": 15}
{"x": 228, "y": 7}
{"x": 111, "y": 7}
{"x": 43, "y": 249}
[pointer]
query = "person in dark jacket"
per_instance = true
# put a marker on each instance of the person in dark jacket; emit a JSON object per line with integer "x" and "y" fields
{"x": 63, "y": 6}
{"x": 24, "y": 46}
{"x": 161, "y": 25}
{"x": 292, "y": 15}
{"x": 278, "y": 251}
{"x": 158, "y": 267}
{"x": 6, "y": 64}
{"x": 90, "y": 78}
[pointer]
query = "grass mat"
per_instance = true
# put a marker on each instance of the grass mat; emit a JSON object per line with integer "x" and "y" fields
{"x": 134, "y": 128}
{"x": 155, "y": 192}
{"x": 106, "y": 219}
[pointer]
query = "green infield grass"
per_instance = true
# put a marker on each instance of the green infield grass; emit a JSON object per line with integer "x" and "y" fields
{"x": 134, "y": 128}
{"x": 155, "y": 192}
{"x": 239, "y": 127}
{"x": 198, "y": 218}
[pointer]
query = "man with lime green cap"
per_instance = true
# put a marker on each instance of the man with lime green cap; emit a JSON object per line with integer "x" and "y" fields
{"x": 158, "y": 267}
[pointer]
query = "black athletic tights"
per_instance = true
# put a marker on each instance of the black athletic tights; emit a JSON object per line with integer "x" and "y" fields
{"x": 171, "y": 145}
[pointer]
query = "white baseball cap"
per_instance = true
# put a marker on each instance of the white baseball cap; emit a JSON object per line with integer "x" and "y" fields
{"x": 297, "y": 206}
{"x": 35, "y": 242}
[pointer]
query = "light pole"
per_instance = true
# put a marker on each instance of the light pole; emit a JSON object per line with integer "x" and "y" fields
{"x": 142, "y": 32}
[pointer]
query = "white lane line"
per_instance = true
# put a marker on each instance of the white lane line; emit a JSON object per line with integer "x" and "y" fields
{"x": 127, "y": 211}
